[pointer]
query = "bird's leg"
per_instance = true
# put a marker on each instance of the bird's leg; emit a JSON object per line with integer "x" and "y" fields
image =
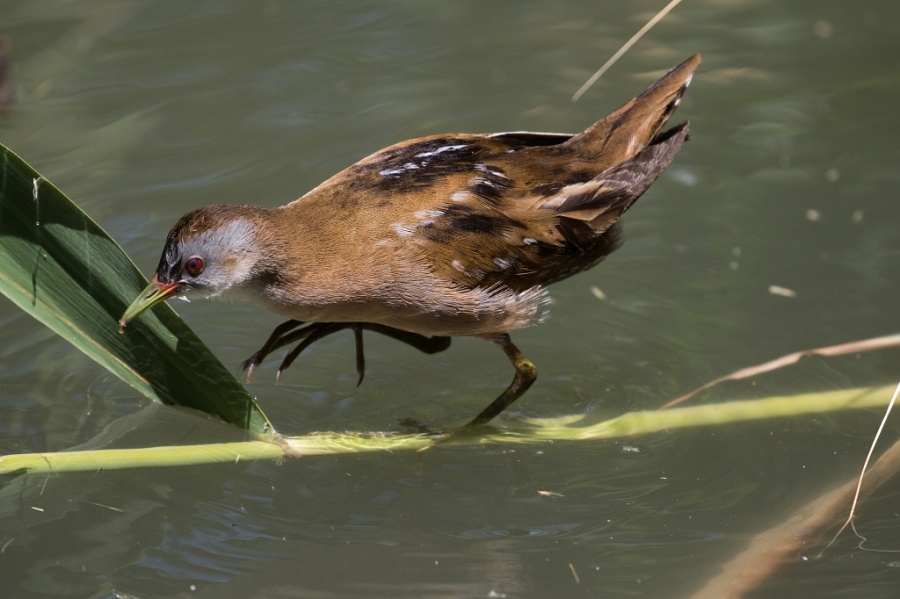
{"x": 313, "y": 333}
{"x": 271, "y": 344}
{"x": 426, "y": 345}
{"x": 360, "y": 356}
{"x": 526, "y": 373}
{"x": 284, "y": 334}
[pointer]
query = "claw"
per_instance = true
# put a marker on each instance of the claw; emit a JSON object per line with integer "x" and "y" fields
{"x": 250, "y": 367}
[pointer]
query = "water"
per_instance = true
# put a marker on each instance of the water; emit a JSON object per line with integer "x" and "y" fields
{"x": 140, "y": 111}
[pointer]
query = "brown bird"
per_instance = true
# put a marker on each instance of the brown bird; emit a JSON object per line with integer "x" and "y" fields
{"x": 431, "y": 238}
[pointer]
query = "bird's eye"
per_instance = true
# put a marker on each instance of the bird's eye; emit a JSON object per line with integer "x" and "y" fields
{"x": 194, "y": 266}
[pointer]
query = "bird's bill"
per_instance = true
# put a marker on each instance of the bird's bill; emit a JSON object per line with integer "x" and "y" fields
{"x": 153, "y": 294}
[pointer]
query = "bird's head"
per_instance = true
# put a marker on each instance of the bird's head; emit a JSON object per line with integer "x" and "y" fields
{"x": 210, "y": 252}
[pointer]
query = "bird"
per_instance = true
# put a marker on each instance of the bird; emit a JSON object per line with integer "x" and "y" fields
{"x": 430, "y": 238}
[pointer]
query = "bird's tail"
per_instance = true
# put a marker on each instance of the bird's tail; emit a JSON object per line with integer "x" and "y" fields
{"x": 634, "y": 126}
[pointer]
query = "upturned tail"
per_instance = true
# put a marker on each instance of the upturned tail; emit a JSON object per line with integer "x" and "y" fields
{"x": 634, "y": 126}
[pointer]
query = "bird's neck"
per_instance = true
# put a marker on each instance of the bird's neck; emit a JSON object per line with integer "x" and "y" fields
{"x": 310, "y": 264}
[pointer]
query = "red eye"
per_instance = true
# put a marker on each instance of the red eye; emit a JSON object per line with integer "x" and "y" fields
{"x": 193, "y": 265}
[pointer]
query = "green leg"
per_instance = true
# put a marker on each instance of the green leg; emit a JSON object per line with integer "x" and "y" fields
{"x": 526, "y": 373}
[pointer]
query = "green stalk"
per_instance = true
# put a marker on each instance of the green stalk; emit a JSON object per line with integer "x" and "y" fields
{"x": 60, "y": 267}
{"x": 521, "y": 432}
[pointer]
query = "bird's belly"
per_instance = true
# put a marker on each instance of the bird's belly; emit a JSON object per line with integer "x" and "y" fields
{"x": 445, "y": 312}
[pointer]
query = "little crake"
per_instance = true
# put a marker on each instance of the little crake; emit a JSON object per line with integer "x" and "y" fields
{"x": 431, "y": 238}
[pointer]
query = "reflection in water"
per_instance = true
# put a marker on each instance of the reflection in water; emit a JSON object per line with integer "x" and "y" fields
{"x": 7, "y": 84}
{"x": 139, "y": 113}
{"x": 217, "y": 544}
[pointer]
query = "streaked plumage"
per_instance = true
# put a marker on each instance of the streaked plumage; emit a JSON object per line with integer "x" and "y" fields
{"x": 433, "y": 237}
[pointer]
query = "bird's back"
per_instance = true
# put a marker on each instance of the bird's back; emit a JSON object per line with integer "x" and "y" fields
{"x": 512, "y": 211}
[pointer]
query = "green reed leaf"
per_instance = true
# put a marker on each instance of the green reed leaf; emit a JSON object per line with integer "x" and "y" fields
{"x": 62, "y": 268}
